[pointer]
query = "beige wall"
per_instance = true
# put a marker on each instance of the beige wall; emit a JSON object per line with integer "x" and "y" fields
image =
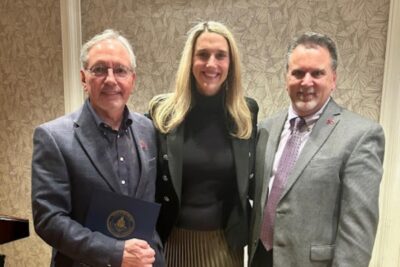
{"x": 262, "y": 28}
{"x": 31, "y": 92}
{"x": 31, "y": 89}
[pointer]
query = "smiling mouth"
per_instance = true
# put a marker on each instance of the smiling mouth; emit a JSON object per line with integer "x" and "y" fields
{"x": 110, "y": 93}
{"x": 210, "y": 75}
{"x": 304, "y": 95}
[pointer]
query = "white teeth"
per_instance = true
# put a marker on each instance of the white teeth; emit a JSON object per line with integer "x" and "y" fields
{"x": 211, "y": 75}
{"x": 310, "y": 90}
{"x": 110, "y": 92}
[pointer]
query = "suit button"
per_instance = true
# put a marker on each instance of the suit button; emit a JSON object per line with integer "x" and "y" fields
{"x": 166, "y": 199}
{"x": 249, "y": 154}
{"x": 251, "y": 175}
{"x": 165, "y": 157}
{"x": 165, "y": 178}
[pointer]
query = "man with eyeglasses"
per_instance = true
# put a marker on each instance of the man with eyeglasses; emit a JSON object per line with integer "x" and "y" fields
{"x": 102, "y": 146}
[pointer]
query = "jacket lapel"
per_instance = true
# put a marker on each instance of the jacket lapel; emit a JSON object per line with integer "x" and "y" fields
{"x": 175, "y": 151}
{"x": 92, "y": 141}
{"x": 140, "y": 138}
{"x": 272, "y": 145}
{"x": 321, "y": 131}
{"x": 262, "y": 139}
{"x": 241, "y": 158}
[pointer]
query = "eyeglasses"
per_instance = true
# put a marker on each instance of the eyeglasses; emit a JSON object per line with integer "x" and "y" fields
{"x": 120, "y": 72}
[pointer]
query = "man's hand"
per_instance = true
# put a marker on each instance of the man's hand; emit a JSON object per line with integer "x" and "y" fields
{"x": 137, "y": 253}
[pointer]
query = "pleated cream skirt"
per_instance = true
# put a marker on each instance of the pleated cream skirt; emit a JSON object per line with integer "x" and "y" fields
{"x": 187, "y": 248}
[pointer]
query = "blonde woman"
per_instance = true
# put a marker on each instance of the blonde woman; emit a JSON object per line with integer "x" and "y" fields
{"x": 206, "y": 132}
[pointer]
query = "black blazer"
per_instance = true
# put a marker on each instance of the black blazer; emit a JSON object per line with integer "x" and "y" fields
{"x": 169, "y": 181}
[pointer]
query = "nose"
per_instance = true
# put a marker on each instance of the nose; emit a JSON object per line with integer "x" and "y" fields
{"x": 211, "y": 61}
{"x": 110, "y": 76}
{"x": 307, "y": 80}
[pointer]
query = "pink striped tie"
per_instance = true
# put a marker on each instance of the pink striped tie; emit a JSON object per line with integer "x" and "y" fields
{"x": 286, "y": 163}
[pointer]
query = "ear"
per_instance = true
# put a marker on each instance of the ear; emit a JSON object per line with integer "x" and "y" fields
{"x": 334, "y": 77}
{"x": 83, "y": 80}
{"x": 133, "y": 81}
{"x": 286, "y": 79}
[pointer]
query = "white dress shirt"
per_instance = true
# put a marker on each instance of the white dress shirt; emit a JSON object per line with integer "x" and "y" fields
{"x": 310, "y": 122}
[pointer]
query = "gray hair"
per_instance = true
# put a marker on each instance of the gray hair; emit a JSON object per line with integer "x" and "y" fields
{"x": 312, "y": 39}
{"x": 108, "y": 34}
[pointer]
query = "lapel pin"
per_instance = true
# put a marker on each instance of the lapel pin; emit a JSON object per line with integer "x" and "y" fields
{"x": 143, "y": 145}
{"x": 330, "y": 121}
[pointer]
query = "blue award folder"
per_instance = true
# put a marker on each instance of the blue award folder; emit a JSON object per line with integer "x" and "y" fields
{"x": 122, "y": 217}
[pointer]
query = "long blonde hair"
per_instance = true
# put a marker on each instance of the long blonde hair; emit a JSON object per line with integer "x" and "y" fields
{"x": 169, "y": 110}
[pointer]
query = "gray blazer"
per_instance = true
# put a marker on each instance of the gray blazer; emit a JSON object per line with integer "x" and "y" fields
{"x": 328, "y": 213}
{"x": 68, "y": 164}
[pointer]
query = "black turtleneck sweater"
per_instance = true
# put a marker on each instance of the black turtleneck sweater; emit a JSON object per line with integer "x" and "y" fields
{"x": 208, "y": 175}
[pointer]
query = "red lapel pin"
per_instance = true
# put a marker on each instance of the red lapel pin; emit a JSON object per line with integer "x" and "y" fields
{"x": 330, "y": 121}
{"x": 143, "y": 145}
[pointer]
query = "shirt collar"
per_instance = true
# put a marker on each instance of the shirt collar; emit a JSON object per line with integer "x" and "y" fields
{"x": 311, "y": 119}
{"x": 126, "y": 121}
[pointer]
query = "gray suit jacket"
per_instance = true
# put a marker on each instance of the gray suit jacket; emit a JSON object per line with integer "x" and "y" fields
{"x": 68, "y": 164}
{"x": 328, "y": 213}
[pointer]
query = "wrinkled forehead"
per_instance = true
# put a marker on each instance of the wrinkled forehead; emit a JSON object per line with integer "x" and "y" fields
{"x": 109, "y": 51}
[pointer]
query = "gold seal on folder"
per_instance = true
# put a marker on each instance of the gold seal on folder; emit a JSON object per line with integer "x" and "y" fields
{"x": 120, "y": 223}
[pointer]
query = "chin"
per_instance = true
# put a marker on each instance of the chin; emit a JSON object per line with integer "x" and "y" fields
{"x": 209, "y": 91}
{"x": 305, "y": 109}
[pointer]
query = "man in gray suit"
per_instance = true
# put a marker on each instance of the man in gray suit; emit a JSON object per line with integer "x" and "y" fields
{"x": 102, "y": 146}
{"x": 326, "y": 210}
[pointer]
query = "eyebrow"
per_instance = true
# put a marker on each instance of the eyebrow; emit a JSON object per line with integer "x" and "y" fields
{"x": 308, "y": 69}
{"x": 207, "y": 50}
{"x": 109, "y": 64}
